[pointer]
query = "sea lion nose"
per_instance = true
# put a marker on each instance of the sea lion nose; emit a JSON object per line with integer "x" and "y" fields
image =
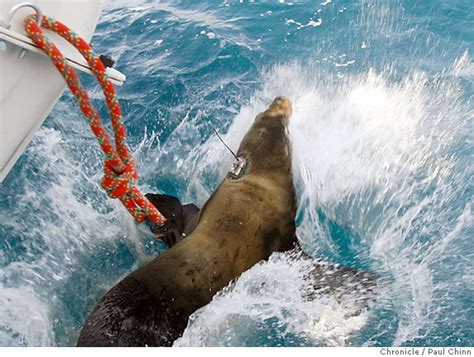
{"x": 281, "y": 105}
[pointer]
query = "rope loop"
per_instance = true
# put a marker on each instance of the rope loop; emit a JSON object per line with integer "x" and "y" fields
{"x": 118, "y": 185}
{"x": 120, "y": 175}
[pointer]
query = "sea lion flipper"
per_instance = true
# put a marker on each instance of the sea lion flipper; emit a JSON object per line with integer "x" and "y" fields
{"x": 354, "y": 287}
{"x": 179, "y": 218}
{"x": 190, "y": 218}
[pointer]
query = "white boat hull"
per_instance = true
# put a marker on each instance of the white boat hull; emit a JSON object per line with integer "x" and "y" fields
{"x": 30, "y": 85}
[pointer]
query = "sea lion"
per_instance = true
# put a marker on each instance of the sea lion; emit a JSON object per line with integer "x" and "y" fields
{"x": 250, "y": 215}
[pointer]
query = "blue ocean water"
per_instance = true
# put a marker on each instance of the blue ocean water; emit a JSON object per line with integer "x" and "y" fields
{"x": 382, "y": 149}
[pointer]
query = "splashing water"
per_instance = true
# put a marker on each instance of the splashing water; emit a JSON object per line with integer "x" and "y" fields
{"x": 381, "y": 138}
{"x": 266, "y": 299}
{"x": 373, "y": 159}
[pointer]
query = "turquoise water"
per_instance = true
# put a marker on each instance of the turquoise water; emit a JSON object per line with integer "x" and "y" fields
{"x": 382, "y": 150}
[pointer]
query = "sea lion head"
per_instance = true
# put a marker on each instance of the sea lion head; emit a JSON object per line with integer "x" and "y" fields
{"x": 266, "y": 148}
{"x": 261, "y": 194}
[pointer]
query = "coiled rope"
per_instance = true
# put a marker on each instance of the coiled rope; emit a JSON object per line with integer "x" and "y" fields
{"x": 120, "y": 174}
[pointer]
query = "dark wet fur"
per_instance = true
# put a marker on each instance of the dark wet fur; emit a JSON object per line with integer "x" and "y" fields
{"x": 180, "y": 219}
{"x": 129, "y": 313}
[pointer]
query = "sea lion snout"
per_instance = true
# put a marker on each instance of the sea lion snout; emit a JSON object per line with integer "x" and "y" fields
{"x": 281, "y": 106}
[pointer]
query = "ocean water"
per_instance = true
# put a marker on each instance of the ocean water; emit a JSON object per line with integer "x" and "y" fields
{"x": 382, "y": 137}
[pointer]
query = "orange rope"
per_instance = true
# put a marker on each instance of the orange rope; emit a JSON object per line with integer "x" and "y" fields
{"x": 119, "y": 166}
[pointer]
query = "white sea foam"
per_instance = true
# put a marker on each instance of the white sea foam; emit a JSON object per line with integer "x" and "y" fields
{"x": 268, "y": 298}
{"x": 26, "y": 316}
{"x": 57, "y": 227}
